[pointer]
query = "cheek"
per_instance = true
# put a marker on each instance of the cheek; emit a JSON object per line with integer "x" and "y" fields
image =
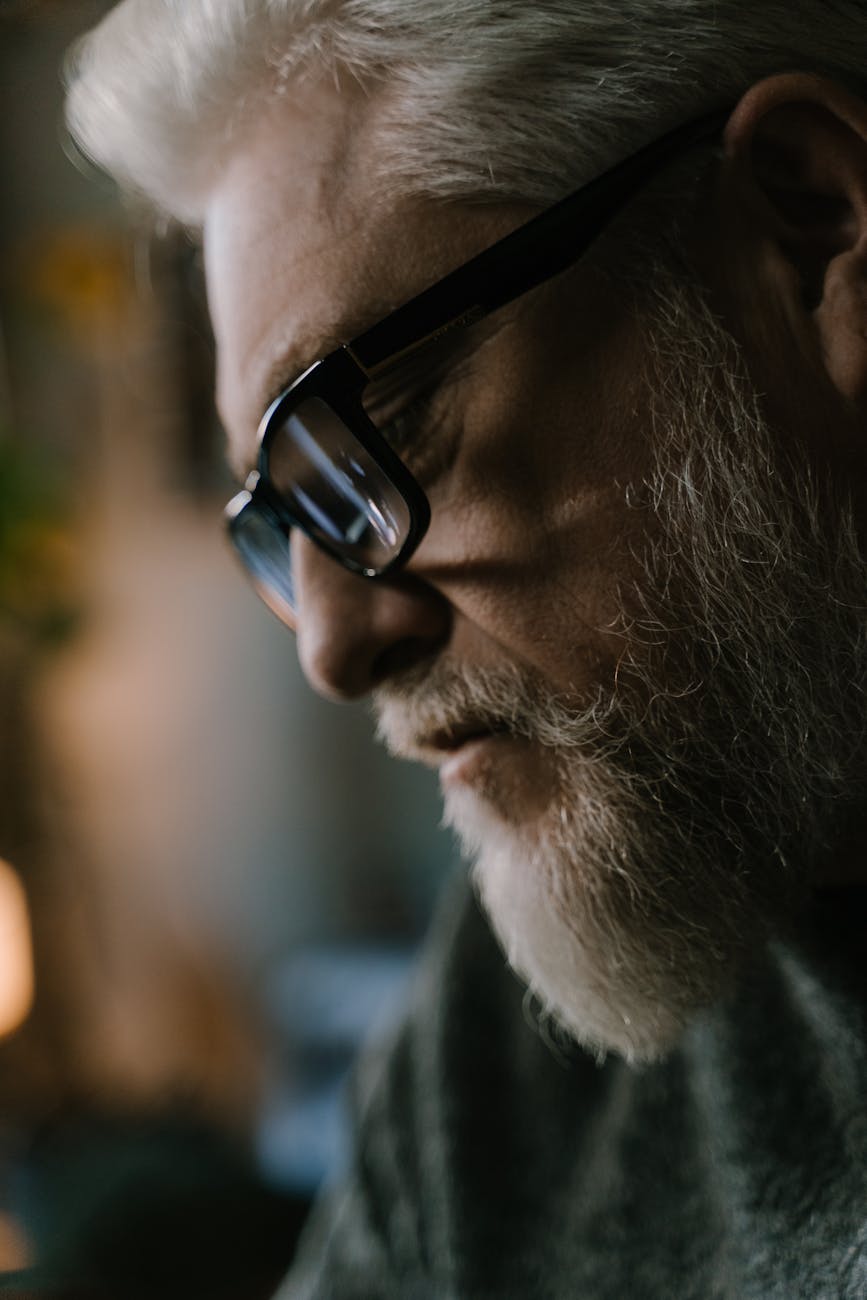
{"x": 561, "y": 424}
{"x": 539, "y": 571}
{"x": 536, "y": 503}
{"x": 543, "y": 485}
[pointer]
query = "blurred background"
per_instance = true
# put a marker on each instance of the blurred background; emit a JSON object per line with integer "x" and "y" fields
{"x": 211, "y": 883}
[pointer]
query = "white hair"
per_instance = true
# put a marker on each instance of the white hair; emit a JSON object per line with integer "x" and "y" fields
{"x": 491, "y": 99}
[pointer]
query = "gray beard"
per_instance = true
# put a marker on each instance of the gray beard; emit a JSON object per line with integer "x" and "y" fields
{"x": 696, "y": 800}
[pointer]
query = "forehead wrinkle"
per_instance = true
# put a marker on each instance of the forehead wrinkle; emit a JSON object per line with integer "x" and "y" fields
{"x": 372, "y": 301}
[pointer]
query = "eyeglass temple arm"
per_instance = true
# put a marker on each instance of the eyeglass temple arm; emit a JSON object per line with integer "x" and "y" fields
{"x": 534, "y": 252}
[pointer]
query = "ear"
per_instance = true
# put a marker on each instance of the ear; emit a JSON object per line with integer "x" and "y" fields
{"x": 796, "y": 155}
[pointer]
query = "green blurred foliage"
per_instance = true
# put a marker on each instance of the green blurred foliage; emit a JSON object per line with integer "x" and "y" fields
{"x": 39, "y": 562}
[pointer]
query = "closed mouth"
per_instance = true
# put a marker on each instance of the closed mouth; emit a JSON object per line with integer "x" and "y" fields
{"x": 448, "y": 740}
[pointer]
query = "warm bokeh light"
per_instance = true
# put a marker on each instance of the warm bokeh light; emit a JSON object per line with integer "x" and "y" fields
{"x": 16, "y": 958}
{"x": 14, "y": 1251}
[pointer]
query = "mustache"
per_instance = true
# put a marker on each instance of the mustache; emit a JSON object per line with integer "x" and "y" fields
{"x": 431, "y": 705}
{"x": 427, "y": 705}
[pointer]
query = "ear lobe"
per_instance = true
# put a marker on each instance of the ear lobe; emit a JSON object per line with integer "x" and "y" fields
{"x": 797, "y": 145}
{"x": 841, "y": 323}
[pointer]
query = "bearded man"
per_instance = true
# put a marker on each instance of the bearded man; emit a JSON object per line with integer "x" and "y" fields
{"x": 557, "y": 315}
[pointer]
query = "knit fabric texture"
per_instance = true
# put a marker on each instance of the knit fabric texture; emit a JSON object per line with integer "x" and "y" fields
{"x": 494, "y": 1163}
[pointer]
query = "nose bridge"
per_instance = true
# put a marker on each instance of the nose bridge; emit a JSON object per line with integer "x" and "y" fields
{"x": 352, "y": 632}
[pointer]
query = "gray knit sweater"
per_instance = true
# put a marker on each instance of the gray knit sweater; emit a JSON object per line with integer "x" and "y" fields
{"x": 490, "y": 1167}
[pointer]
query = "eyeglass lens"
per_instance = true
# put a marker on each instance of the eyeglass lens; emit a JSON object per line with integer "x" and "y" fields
{"x": 334, "y": 488}
{"x": 263, "y": 546}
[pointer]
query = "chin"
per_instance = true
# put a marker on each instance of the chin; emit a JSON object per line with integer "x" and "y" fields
{"x": 621, "y": 966}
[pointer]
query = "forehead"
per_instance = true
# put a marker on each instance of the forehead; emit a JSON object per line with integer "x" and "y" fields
{"x": 304, "y": 247}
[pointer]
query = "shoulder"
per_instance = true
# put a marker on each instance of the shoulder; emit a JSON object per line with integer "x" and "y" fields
{"x": 450, "y": 1110}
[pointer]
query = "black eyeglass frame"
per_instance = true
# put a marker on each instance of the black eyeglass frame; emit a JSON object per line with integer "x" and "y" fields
{"x": 527, "y": 257}
{"x": 338, "y": 380}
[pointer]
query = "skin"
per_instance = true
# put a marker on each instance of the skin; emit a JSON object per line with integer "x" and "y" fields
{"x": 531, "y": 536}
{"x": 528, "y": 539}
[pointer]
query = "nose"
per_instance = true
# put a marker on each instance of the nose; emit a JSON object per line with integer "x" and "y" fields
{"x": 353, "y": 633}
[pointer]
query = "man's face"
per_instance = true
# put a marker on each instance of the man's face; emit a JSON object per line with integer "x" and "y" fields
{"x": 522, "y": 451}
{"x": 598, "y": 640}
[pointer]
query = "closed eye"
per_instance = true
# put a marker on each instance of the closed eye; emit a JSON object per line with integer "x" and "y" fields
{"x": 424, "y": 432}
{"x": 416, "y": 405}
{"x": 401, "y": 426}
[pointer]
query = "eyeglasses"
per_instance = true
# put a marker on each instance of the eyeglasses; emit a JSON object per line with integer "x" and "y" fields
{"x": 326, "y": 469}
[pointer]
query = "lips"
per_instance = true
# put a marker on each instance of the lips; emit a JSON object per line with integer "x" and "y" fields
{"x": 457, "y": 749}
{"x": 423, "y": 733}
{"x": 470, "y": 762}
{"x": 449, "y": 739}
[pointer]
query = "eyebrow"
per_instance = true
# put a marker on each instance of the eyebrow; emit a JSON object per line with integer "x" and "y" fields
{"x": 284, "y": 368}
{"x": 280, "y": 373}
{"x": 287, "y": 365}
